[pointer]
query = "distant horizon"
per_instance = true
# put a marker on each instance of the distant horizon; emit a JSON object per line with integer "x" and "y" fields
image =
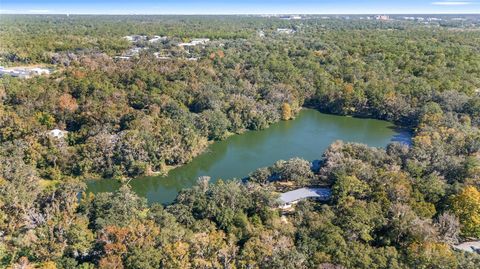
{"x": 237, "y": 14}
{"x": 236, "y": 7}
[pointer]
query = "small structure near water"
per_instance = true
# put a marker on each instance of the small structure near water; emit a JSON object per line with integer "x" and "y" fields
{"x": 288, "y": 199}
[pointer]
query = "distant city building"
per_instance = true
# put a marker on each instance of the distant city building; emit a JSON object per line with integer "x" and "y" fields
{"x": 291, "y": 17}
{"x": 382, "y": 18}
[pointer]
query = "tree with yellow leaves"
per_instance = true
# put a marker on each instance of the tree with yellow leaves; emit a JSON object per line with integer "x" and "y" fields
{"x": 431, "y": 255}
{"x": 466, "y": 206}
{"x": 286, "y": 111}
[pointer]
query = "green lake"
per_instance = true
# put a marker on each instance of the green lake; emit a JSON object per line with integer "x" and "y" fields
{"x": 307, "y": 137}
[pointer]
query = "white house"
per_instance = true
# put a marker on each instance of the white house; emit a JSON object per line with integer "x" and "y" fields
{"x": 285, "y": 31}
{"x": 14, "y": 72}
{"x": 160, "y": 56}
{"x": 157, "y": 39}
{"x": 135, "y": 38}
{"x": 197, "y": 41}
{"x": 194, "y": 42}
{"x": 40, "y": 71}
{"x": 23, "y": 72}
{"x": 123, "y": 57}
{"x": 57, "y": 133}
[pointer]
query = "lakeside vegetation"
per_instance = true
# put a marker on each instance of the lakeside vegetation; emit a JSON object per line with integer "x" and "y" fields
{"x": 399, "y": 207}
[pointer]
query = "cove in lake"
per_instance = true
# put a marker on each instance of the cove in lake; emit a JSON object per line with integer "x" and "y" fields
{"x": 307, "y": 137}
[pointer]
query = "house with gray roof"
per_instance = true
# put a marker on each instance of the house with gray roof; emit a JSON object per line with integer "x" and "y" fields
{"x": 473, "y": 246}
{"x": 288, "y": 199}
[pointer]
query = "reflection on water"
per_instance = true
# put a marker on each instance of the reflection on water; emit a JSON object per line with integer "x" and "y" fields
{"x": 307, "y": 137}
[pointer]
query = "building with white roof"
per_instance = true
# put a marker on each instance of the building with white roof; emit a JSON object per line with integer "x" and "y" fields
{"x": 40, "y": 71}
{"x": 23, "y": 72}
{"x": 57, "y": 133}
{"x": 157, "y": 39}
{"x": 285, "y": 31}
{"x": 194, "y": 42}
{"x": 135, "y": 38}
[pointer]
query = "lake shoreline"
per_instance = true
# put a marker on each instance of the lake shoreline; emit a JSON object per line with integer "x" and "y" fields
{"x": 168, "y": 168}
{"x": 235, "y": 157}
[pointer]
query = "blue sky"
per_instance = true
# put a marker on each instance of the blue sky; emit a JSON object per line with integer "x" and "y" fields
{"x": 239, "y": 6}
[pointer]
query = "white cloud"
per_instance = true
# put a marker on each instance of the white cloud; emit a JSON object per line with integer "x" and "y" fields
{"x": 452, "y": 3}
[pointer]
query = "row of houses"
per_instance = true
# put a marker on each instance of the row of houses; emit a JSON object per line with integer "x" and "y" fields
{"x": 136, "y": 49}
{"x": 23, "y": 72}
{"x": 140, "y": 38}
{"x": 156, "y": 38}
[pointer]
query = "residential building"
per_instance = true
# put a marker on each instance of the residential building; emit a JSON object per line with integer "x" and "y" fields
{"x": 157, "y": 39}
{"x": 57, "y": 133}
{"x": 472, "y": 246}
{"x": 195, "y": 42}
{"x": 24, "y": 72}
{"x": 288, "y": 199}
{"x": 285, "y": 31}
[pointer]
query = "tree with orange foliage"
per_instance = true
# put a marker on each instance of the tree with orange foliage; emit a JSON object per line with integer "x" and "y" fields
{"x": 67, "y": 103}
{"x": 111, "y": 262}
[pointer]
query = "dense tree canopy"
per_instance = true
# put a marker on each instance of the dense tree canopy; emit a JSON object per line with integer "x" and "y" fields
{"x": 398, "y": 207}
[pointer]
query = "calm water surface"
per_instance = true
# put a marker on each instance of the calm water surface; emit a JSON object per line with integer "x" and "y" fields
{"x": 307, "y": 137}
